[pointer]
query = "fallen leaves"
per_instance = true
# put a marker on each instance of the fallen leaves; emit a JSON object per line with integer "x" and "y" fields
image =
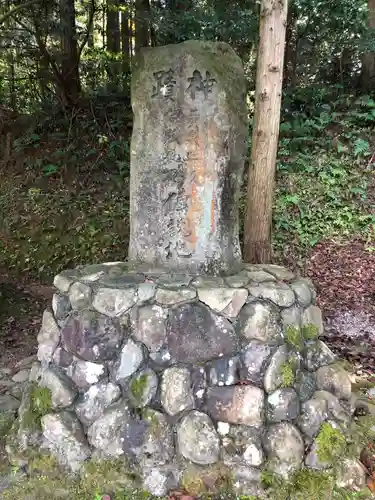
{"x": 344, "y": 276}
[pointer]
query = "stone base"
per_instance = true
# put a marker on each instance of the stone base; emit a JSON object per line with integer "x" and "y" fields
{"x": 177, "y": 371}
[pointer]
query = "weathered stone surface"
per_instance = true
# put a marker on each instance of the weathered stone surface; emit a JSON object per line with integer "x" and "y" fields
{"x": 208, "y": 282}
{"x": 63, "y": 392}
{"x": 240, "y": 404}
{"x": 85, "y": 373}
{"x": 227, "y": 301}
{"x": 80, "y": 295}
{"x": 169, "y": 297}
{"x": 336, "y": 411}
{"x": 62, "y": 358}
{"x": 313, "y": 316}
{"x": 282, "y": 404}
{"x": 21, "y": 376}
{"x": 351, "y": 475}
{"x": 318, "y": 354}
{"x": 157, "y": 445}
{"x": 313, "y": 461}
{"x": 61, "y": 306}
{"x": 313, "y": 413}
{"x": 143, "y": 387}
{"x": 238, "y": 280}
{"x": 198, "y": 384}
{"x": 197, "y": 438}
{"x": 334, "y": 379}
{"x": 196, "y": 334}
{"x": 149, "y": 326}
{"x": 176, "y": 390}
{"x": 162, "y": 357}
{"x": 254, "y": 361}
{"x": 107, "y": 433}
{"x": 305, "y": 386}
{"x": 184, "y": 186}
{"x": 64, "y": 437}
{"x": 260, "y": 276}
{"x": 259, "y": 321}
{"x": 273, "y": 376}
{"x": 93, "y": 272}
{"x": 91, "y": 405}
{"x": 303, "y": 292}
{"x": 65, "y": 279}
{"x": 278, "y": 293}
{"x": 285, "y": 448}
{"x": 35, "y": 372}
{"x": 247, "y": 481}
{"x": 242, "y": 446}
{"x": 292, "y": 316}
{"x": 8, "y": 404}
{"x": 23, "y": 433}
{"x": 25, "y": 362}
{"x": 224, "y": 371}
{"x": 92, "y": 336}
{"x": 280, "y": 272}
{"x": 114, "y": 302}
{"x": 174, "y": 280}
{"x": 159, "y": 481}
{"x": 120, "y": 281}
{"x": 131, "y": 358}
{"x": 146, "y": 291}
{"x": 48, "y": 337}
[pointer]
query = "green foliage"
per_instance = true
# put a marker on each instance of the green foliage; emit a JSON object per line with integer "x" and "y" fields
{"x": 331, "y": 443}
{"x": 322, "y": 178}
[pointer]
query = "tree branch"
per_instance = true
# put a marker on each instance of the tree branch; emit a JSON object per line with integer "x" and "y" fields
{"x": 89, "y": 26}
{"x": 13, "y": 11}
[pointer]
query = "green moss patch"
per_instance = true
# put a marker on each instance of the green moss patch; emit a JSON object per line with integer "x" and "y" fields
{"x": 331, "y": 443}
{"x": 204, "y": 482}
{"x": 310, "y": 332}
{"x": 294, "y": 338}
{"x": 138, "y": 387}
{"x": 288, "y": 373}
{"x": 40, "y": 403}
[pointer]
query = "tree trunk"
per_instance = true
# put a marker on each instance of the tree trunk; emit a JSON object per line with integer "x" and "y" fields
{"x": 113, "y": 27}
{"x": 125, "y": 43}
{"x": 142, "y": 24}
{"x": 69, "y": 54}
{"x": 368, "y": 59}
{"x": 258, "y": 223}
{"x": 290, "y": 62}
{"x": 126, "y": 35}
{"x": 113, "y": 43}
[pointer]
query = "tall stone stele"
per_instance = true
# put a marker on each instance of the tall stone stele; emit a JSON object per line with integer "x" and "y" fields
{"x": 187, "y": 156}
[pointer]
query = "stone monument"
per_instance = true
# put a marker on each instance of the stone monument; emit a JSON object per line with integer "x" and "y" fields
{"x": 184, "y": 359}
{"x": 187, "y": 155}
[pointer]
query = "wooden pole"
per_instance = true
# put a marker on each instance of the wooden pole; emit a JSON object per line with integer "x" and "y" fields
{"x": 261, "y": 177}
